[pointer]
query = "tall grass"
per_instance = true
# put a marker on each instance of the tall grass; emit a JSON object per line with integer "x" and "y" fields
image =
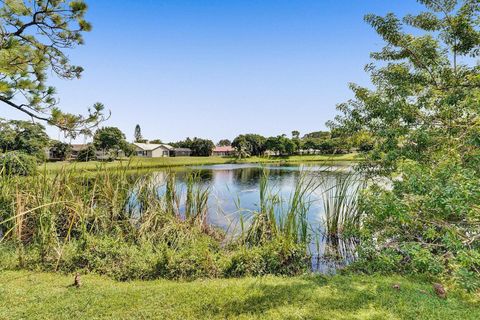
{"x": 340, "y": 203}
{"x": 149, "y": 217}
{"x": 278, "y": 217}
{"x": 51, "y": 209}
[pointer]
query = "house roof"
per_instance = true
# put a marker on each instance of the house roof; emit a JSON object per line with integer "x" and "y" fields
{"x": 152, "y": 146}
{"x": 224, "y": 149}
{"x": 78, "y": 147}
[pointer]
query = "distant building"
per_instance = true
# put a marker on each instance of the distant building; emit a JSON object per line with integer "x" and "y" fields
{"x": 223, "y": 151}
{"x": 181, "y": 152}
{"x": 152, "y": 150}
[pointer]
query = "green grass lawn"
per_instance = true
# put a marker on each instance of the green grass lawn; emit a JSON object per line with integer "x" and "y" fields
{"x": 28, "y": 295}
{"x": 147, "y": 163}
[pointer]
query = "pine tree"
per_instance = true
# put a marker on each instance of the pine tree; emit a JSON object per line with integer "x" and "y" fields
{"x": 138, "y": 134}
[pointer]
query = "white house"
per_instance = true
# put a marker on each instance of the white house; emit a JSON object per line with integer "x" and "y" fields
{"x": 152, "y": 150}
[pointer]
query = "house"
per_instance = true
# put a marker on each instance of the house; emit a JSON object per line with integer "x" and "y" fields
{"x": 224, "y": 151}
{"x": 153, "y": 150}
{"x": 181, "y": 152}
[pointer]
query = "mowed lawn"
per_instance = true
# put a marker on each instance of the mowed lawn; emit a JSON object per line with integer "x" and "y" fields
{"x": 149, "y": 163}
{"x": 29, "y": 295}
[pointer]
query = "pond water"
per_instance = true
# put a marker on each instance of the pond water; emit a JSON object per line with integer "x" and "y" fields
{"x": 235, "y": 193}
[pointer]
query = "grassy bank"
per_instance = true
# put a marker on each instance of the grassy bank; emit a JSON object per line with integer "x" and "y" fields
{"x": 27, "y": 295}
{"x": 150, "y": 163}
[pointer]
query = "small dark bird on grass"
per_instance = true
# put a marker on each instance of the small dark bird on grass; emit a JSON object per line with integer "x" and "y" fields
{"x": 396, "y": 286}
{"x": 77, "y": 281}
{"x": 440, "y": 290}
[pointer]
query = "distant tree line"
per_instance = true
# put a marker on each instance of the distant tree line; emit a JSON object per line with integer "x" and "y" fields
{"x": 324, "y": 142}
{"x": 31, "y": 140}
{"x": 200, "y": 147}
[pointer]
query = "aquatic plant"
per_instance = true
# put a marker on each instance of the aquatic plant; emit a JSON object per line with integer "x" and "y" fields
{"x": 340, "y": 203}
{"x": 278, "y": 217}
{"x": 133, "y": 225}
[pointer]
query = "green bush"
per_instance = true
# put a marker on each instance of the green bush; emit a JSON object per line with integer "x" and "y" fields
{"x": 18, "y": 163}
{"x": 87, "y": 154}
{"x": 277, "y": 257}
{"x": 425, "y": 224}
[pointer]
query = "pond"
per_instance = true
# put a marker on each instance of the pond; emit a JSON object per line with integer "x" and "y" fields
{"x": 235, "y": 194}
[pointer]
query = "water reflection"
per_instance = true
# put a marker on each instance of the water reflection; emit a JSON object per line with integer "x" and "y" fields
{"x": 234, "y": 193}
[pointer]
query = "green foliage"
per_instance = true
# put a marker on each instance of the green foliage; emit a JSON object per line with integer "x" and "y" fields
{"x": 34, "y": 38}
{"x": 23, "y": 136}
{"x": 200, "y": 147}
{"x": 427, "y": 220}
{"x": 109, "y": 139}
{"x": 70, "y": 222}
{"x": 282, "y": 145}
{"x": 224, "y": 143}
{"x": 318, "y": 135}
{"x": 87, "y": 154}
{"x": 277, "y": 257}
{"x": 424, "y": 118}
{"x": 137, "y": 136}
{"x": 252, "y": 144}
{"x": 60, "y": 150}
{"x": 17, "y": 163}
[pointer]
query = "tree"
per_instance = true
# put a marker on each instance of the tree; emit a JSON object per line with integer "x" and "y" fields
{"x": 310, "y": 144}
{"x": 295, "y": 134}
{"x": 155, "y": 141}
{"x": 138, "y": 134}
{"x": 281, "y": 144}
{"x": 423, "y": 96}
{"x": 318, "y": 135}
{"x": 424, "y": 117}
{"x": 33, "y": 39}
{"x": 87, "y": 154}
{"x": 202, "y": 147}
{"x": 254, "y": 144}
{"x": 24, "y": 136}
{"x": 275, "y": 144}
{"x": 109, "y": 139}
{"x": 224, "y": 143}
{"x": 61, "y": 150}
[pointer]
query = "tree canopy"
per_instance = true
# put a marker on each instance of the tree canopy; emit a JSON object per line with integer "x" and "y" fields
{"x": 23, "y": 136}
{"x": 253, "y": 144}
{"x": 224, "y": 143}
{"x": 137, "y": 135}
{"x": 424, "y": 98}
{"x": 423, "y": 117}
{"x": 109, "y": 138}
{"x": 200, "y": 147}
{"x": 33, "y": 38}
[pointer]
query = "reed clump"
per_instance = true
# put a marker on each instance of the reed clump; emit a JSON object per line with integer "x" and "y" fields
{"x": 140, "y": 226}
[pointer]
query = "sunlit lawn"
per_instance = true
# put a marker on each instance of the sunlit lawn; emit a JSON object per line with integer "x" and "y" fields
{"x": 28, "y": 295}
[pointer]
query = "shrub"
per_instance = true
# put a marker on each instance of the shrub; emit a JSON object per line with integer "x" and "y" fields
{"x": 61, "y": 150}
{"x": 87, "y": 154}
{"x": 18, "y": 163}
{"x": 425, "y": 223}
{"x": 277, "y": 257}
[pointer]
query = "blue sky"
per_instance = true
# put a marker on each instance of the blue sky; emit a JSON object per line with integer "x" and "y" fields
{"x": 218, "y": 68}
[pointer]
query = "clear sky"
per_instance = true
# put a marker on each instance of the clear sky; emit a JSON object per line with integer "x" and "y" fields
{"x": 218, "y": 68}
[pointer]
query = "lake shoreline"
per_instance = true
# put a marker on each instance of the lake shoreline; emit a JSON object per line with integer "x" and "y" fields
{"x": 157, "y": 163}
